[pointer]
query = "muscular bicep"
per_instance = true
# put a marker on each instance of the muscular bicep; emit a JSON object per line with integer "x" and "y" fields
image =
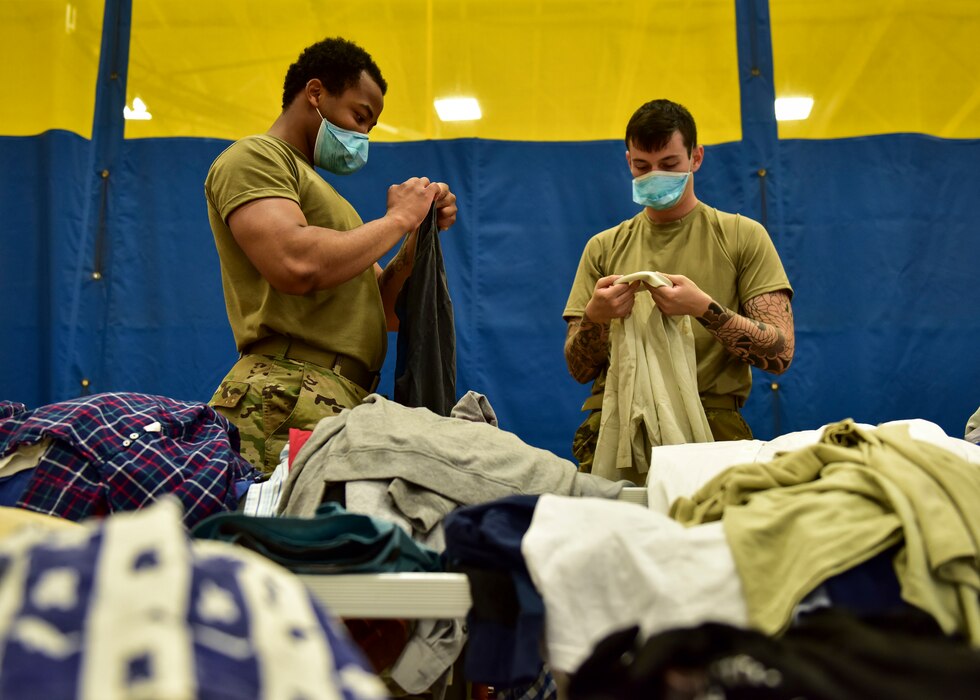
{"x": 272, "y": 232}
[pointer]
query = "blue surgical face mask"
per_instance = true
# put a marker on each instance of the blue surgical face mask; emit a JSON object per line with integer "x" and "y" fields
{"x": 660, "y": 189}
{"x": 338, "y": 150}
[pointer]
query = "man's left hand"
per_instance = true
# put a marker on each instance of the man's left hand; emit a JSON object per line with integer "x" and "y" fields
{"x": 445, "y": 206}
{"x": 684, "y": 298}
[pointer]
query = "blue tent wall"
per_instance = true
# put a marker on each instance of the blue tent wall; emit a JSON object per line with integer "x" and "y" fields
{"x": 876, "y": 234}
{"x": 42, "y": 195}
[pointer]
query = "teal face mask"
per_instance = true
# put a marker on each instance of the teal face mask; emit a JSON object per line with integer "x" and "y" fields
{"x": 340, "y": 151}
{"x": 660, "y": 189}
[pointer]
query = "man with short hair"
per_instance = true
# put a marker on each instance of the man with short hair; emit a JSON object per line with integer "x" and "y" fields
{"x": 724, "y": 269}
{"x": 308, "y": 304}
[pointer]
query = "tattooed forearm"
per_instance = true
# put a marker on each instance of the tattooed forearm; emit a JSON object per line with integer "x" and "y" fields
{"x": 392, "y": 278}
{"x": 763, "y": 337}
{"x": 396, "y": 268}
{"x": 586, "y": 348}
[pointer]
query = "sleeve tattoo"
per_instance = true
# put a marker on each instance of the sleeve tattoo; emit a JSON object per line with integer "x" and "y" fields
{"x": 764, "y": 337}
{"x": 586, "y": 348}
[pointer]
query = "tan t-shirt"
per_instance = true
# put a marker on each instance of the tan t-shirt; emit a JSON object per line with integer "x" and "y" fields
{"x": 348, "y": 318}
{"x": 731, "y": 258}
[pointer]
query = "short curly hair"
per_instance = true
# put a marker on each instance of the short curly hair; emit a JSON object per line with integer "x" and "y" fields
{"x": 653, "y": 124}
{"x": 337, "y": 62}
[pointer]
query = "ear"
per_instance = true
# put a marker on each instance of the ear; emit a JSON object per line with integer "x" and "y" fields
{"x": 629, "y": 161}
{"x": 697, "y": 157}
{"x": 314, "y": 89}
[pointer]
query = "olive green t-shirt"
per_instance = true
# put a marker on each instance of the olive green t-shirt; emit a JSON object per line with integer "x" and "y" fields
{"x": 347, "y": 319}
{"x": 731, "y": 258}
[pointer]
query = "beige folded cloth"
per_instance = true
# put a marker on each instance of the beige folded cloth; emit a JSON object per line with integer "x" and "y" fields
{"x": 651, "y": 395}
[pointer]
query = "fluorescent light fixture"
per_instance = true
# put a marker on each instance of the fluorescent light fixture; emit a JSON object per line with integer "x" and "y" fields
{"x": 71, "y": 18}
{"x": 458, "y": 109}
{"x": 138, "y": 112}
{"x": 790, "y": 109}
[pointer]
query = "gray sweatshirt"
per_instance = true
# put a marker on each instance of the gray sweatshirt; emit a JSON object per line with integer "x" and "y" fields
{"x": 465, "y": 461}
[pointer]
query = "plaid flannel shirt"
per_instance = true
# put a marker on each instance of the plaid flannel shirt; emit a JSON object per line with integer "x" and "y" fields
{"x": 120, "y": 451}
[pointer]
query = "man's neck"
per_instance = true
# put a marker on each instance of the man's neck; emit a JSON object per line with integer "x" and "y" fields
{"x": 287, "y": 128}
{"x": 665, "y": 216}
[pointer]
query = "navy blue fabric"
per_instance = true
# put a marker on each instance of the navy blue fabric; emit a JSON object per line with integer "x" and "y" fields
{"x": 502, "y": 648}
{"x": 869, "y": 588}
{"x": 425, "y": 361}
{"x": 13, "y": 487}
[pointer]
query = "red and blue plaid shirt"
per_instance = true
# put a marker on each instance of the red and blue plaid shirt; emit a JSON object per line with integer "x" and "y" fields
{"x": 120, "y": 451}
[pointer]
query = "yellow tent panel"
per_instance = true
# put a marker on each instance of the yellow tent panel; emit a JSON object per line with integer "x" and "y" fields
{"x": 49, "y": 67}
{"x": 541, "y": 70}
{"x": 879, "y": 66}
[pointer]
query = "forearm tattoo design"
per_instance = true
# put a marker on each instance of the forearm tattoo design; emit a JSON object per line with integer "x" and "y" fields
{"x": 394, "y": 267}
{"x": 764, "y": 337}
{"x": 586, "y": 348}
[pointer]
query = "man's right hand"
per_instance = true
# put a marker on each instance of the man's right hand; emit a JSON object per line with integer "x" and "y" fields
{"x": 610, "y": 300}
{"x": 409, "y": 202}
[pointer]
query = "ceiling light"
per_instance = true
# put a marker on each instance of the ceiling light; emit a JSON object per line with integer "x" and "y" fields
{"x": 790, "y": 109}
{"x": 138, "y": 111}
{"x": 458, "y": 109}
{"x": 71, "y": 18}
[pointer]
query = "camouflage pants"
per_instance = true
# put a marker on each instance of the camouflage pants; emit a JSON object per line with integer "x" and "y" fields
{"x": 725, "y": 424}
{"x": 265, "y": 397}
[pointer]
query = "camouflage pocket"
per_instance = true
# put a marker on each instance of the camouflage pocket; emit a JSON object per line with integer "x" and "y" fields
{"x": 229, "y": 394}
{"x": 585, "y": 440}
{"x": 321, "y": 394}
{"x": 310, "y": 395}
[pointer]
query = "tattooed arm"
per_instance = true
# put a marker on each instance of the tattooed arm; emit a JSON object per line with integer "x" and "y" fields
{"x": 586, "y": 348}
{"x": 764, "y": 337}
{"x": 587, "y": 339}
{"x": 392, "y": 278}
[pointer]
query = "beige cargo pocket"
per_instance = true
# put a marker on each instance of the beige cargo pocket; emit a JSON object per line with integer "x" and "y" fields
{"x": 229, "y": 394}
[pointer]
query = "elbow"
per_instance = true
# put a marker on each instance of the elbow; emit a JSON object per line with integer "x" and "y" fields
{"x": 392, "y": 322}
{"x": 781, "y": 365}
{"x": 293, "y": 286}
{"x": 579, "y": 365}
{"x": 296, "y": 280}
{"x": 572, "y": 368}
{"x": 581, "y": 374}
